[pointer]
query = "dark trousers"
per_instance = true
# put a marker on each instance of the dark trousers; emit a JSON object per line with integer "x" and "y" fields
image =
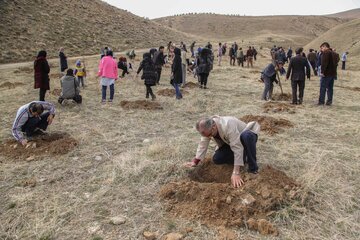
{"x": 313, "y": 66}
{"x": 294, "y": 86}
{"x": 203, "y": 78}
{"x": 158, "y": 71}
{"x": 81, "y": 81}
{"x": 35, "y": 122}
{"x": 225, "y": 155}
{"x": 149, "y": 91}
{"x": 42, "y": 93}
{"x": 326, "y": 87}
{"x": 232, "y": 61}
{"x": 240, "y": 61}
{"x": 112, "y": 91}
{"x": 343, "y": 65}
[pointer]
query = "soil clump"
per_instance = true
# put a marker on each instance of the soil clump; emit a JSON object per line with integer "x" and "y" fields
{"x": 208, "y": 196}
{"x": 357, "y": 89}
{"x": 167, "y": 92}
{"x": 277, "y": 107}
{"x": 141, "y": 104}
{"x": 269, "y": 125}
{"x": 45, "y": 145}
{"x": 10, "y": 85}
{"x": 282, "y": 97}
{"x": 191, "y": 85}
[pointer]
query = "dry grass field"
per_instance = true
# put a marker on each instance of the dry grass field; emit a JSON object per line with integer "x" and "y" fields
{"x": 120, "y": 159}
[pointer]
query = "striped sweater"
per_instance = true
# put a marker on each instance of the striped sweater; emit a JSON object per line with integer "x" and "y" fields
{"x": 23, "y": 115}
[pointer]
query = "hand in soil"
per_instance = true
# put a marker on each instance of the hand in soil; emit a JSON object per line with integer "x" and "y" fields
{"x": 50, "y": 119}
{"x": 24, "y": 142}
{"x": 190, "y": 164}
{"x": 236, "y": 181}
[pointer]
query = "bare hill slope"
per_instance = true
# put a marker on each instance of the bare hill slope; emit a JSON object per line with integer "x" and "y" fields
{"x": 351, "y": 14}
{"x": 342, "y": 37}
{"x": 82, "y": 27}
{"x": 302, "y": 29}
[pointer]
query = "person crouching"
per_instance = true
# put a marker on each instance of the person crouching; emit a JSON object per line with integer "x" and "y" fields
{"x": 70, "y": 88}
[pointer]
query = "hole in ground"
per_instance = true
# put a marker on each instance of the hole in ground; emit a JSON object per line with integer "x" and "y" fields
{"x": 268, "y": 125}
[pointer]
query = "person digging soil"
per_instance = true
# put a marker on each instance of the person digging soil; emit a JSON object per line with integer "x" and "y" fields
{"x": 236, "y": 142}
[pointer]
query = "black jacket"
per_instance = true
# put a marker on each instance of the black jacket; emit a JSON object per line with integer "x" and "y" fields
{"x": 148, "y": 68}
{"x": 63, "y": 61}
{"x": 159, "y": 59}
{"x": 297, "y": 67}
{"x": 176, "y": 66}
{"x": 204, "y": 61}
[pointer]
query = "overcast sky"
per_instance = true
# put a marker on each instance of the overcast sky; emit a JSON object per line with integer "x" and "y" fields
{"x": 161, "y": 8}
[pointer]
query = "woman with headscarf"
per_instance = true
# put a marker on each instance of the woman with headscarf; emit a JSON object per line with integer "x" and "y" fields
{"x": 41, "y": 74}
{"x": 63, "y": 60}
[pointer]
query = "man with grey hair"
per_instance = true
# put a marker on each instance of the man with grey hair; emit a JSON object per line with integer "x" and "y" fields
{"x": 236, "y": 144}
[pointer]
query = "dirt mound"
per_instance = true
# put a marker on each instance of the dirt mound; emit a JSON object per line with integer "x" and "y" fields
{"x": 141, "y": 104}
{"x": 276, "y": 107}
{"x": 209, "y": 197}
{"x": 268, "y": 125}
{"x": 282, "y": 97}
{"x": 10, "y": 85}
{"x": 168, "y": 92}
{"x": 56, "y": 92}
{"x": 45, "y": 145}
{"x": 191, "y": 85}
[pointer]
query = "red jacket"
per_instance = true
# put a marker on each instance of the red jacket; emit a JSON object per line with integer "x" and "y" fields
{"x": 41, "y": 73}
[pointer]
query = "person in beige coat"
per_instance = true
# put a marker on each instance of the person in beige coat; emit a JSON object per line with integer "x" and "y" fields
{"x": 236, "y": 144}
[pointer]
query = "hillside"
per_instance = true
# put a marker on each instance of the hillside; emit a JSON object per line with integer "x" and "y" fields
{"x": 82, "y": 27}
{"x": 351, "y": 14}
{"x": 295, "y": 29}
{"x": 342, "y": 37}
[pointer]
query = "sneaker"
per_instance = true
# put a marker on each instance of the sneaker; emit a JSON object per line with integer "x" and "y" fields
{"x": 103, "y": 101}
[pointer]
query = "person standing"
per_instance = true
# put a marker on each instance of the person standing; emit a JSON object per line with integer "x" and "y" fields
{"x": 311, "y": 57}
{"x": 80, "y": 73}
{"x": 249, "y": 57}
{"x": 240, "y": 57}
{"x": 220, "y": 53}
{"x": 183, "y": 64}
{"x": 63, "y": 60}
{"x": 289, "y": 54}
{"x": 159, "y": 62}
{"x": 327, "y": 74}
{"x": 149, "y": 74}
{"x": 108, "y": 73}
{"x": 41, "y": 74}
{"x": 344, "y": 59}
{"x": 232, "y": 55}
{"x": 192, "y": 47}
{"x": 177, "y": 73}
{"x": 298, "y": 66}
{"x": 204, "y": 66}
{"x": 254, "y": 52}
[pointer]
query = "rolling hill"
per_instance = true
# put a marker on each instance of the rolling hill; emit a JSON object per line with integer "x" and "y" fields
{"x": 342, "y": 37}
{"x": 297, "y": 30}
{"x": 351, "y": 14}
{"x": 82, "y": 27}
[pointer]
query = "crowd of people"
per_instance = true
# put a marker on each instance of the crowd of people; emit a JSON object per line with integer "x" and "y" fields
{"x": 236, "y": 140}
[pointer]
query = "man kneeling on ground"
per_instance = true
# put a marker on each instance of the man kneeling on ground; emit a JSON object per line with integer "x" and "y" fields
{"x": 31, "y": 120}
{"x": 236, "y": 144}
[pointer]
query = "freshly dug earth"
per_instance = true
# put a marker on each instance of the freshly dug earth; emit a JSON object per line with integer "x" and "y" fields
{"x": 191, "y": 85}
{"x": 141, "y": 104}
{"x": 276, "y": 107}
{"x": 209, "y": 197}
{"x": 56, "y": 92}
{"x": 45, "y": 145}
{"x": 167, "y": 92}
{"x": 282, "y": 97}
{"x": 268, "y": 125}
{"x": 10, "y": 85}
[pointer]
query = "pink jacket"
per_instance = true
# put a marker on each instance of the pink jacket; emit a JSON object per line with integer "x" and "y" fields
{"x": 108, "y": 68}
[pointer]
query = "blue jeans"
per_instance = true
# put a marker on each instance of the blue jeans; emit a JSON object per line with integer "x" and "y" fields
{"x": 177, "y": 91}
{"x": 225, "y": 155}
{"x": 326, "y": 86}
{"x": 103, "y": 92}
